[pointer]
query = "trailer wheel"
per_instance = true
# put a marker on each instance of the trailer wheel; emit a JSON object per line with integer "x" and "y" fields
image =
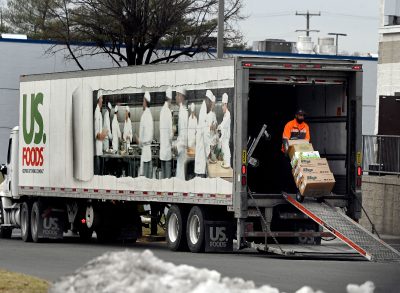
{"x": 107, "y": 236}
{"x": 85, "y": 233}
{"x": 92, "y": 216}
{"x": 195, "y": 229}
{"x": 176, "y": 228}
{"x": 35, "y": 220}
{"x": 26, "y": 222}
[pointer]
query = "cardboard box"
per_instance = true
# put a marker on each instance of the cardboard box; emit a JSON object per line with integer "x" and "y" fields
{"x": 304, "y": 155}
{"x": 317, "y": 184}
{"x": 297, "y": 141}
{"x": 302, "y": 171}
{"x": 306, "y": 162}
{"x": 311, "y": 168}
{"x": 304, "y": 147}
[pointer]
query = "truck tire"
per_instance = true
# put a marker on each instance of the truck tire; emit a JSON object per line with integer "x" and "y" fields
{"x": 195, "y": 232}
{"x": 5, "y": 232}
{"x": 107, "y": 236}
{"x": 176, "y": 228}
{"x": 26, "y": 222}
{"x": 35, "y": 222}
{"x": 85, "y": 233}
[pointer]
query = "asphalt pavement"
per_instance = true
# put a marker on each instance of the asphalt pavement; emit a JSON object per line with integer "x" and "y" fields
{"x": 52, "y": 260}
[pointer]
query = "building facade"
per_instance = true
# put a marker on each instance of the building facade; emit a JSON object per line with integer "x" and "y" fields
{"x": 388, "y": 80}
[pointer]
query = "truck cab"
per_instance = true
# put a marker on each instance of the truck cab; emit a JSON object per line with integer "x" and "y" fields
{"x": 11, "y": 168}
{"x": 9, "y": 187}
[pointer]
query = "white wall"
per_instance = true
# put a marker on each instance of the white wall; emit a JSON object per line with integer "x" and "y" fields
{"x": 369, "y": 97}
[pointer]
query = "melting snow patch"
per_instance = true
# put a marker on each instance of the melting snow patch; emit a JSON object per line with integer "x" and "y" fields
{"x": 367, "y": 287}
{"x": 126, "y": 271}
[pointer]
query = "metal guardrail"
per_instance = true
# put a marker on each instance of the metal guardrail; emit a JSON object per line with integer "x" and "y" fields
{"x": 381, "y": 154}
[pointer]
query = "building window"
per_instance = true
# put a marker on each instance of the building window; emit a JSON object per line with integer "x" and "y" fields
{"x": 392, "y": 12}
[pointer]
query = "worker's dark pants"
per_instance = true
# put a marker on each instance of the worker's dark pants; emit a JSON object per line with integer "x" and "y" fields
{"x": 147, "y": 169}
{"x": 98, "y": 168}
{"x": 166, "y": 167}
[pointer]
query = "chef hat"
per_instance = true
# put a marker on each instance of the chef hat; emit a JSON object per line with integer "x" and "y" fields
{"x": 116, "y": 109}
{"x": 192, "y": 107}
{"x": 147, "y": 96}
{"x": 225, "y": 98}
{"x": 210, "y": 95}
{"x": 127, "y": 109}
{"x": 168, "y": 93}
{"x": 181, "y": 90}
{"x": 99, "y": 94}
{"x": 109, "y": 105}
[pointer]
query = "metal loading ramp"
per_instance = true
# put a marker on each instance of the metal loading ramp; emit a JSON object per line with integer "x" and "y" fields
{"x": 345, "y": 229}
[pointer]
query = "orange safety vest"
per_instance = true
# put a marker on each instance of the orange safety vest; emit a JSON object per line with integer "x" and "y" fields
{"x": 294, "y": 130}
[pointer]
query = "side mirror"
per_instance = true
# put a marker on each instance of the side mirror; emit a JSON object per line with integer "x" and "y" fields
{"x": 3, "y": 170}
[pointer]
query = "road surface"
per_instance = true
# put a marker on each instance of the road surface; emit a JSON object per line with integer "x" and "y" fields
{"x": 52, "y": 260}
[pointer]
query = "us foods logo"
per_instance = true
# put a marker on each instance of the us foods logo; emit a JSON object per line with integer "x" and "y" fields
{"x": 218, "y": 237}
{"x": 33, "y": 155}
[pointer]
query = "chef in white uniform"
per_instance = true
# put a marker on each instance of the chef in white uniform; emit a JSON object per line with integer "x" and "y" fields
{"x": 192, "y": 125}
{"x": 107, "y": 126}
{"x": 127, "y": 136}
{"x": 182, "y": 139}
{"x": 146, "y": 132}
{"x": 166, "y": 135}
{"x": 225, "y": 128}
{"x": 202, "y": 137}
{"x": 99, "y": 135}
{"x": 115, "y": 130}
{"x": 212, "y": 125}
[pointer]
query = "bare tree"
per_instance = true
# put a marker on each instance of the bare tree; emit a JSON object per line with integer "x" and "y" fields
{"x": 134, "y": 31}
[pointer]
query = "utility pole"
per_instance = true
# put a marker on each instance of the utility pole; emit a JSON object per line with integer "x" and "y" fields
{"x": 308, "y": 16}
{"x": 337, "y": 39}
{"x": 220, "y": 37}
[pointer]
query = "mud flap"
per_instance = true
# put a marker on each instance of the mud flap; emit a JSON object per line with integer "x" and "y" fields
{"x": 51, "y": 224}
{"x": 218, "y": 236}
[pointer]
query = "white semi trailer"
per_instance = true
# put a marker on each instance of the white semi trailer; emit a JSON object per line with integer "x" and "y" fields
{"x": 52, "y": 185}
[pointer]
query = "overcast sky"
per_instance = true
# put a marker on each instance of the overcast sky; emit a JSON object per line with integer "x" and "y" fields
{"x": 276, "y": 19}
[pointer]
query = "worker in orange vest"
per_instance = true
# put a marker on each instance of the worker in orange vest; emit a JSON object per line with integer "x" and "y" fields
{"x": 295, "y": 129}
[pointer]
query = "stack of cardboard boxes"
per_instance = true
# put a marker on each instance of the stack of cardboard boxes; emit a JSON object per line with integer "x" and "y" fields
{"x": 311, "y": 173}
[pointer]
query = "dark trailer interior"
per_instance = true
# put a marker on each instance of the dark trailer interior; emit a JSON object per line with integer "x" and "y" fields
{"x": 274, "y": 96}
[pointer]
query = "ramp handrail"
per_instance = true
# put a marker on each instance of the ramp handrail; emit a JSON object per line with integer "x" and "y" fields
{"x": 381, "y": 154}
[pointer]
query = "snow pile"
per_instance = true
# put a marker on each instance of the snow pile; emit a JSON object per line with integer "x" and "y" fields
{"x": 126, "y": 271}
{"x": 367, "y": 287}
{"x": 133, "y": 272}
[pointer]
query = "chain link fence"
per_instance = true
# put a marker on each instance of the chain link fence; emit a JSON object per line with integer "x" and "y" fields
{"x": 381, "y": 154}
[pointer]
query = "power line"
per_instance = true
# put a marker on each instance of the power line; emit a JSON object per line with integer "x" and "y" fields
{"x": 308, "y": 15}
{"x": 369, "y": 17}
{"x": 278, "y": 14}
